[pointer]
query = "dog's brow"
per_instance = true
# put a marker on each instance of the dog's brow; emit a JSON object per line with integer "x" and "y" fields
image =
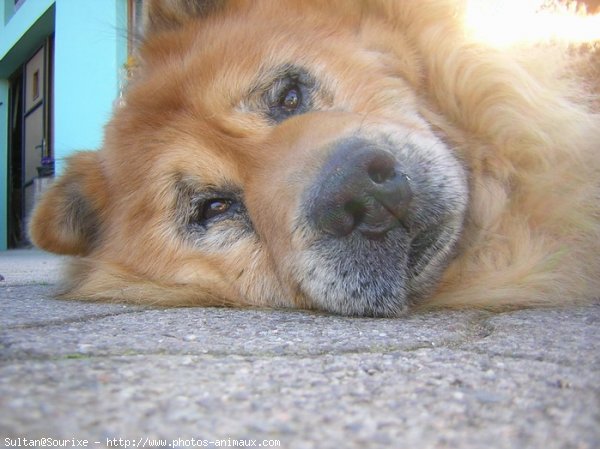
{"x": 267, "y": 75}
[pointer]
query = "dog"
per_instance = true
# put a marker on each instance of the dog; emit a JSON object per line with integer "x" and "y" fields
{"x": 364, "y": 158}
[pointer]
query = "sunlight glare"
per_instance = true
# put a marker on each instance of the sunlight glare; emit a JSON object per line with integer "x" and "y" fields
{"x": 507, "y": 22}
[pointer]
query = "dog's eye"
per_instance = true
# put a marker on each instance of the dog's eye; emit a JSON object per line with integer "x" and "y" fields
{"x": 290, "y": 99}
{"x": 215, "y": 207}
{"x": 291, "y": 92}
{"x": 200, "y": 209}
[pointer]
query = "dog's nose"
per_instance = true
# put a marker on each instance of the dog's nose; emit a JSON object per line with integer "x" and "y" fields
{"x": 360, "y": 188}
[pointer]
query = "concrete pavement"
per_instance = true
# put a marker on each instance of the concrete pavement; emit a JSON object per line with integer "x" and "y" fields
{"x": 127, "y": 376}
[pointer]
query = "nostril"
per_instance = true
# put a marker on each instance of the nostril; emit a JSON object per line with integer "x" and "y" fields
{"x": 381, "y": 169}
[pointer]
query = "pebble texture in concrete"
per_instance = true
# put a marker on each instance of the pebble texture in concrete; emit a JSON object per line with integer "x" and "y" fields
{"x": 470, "y": 379}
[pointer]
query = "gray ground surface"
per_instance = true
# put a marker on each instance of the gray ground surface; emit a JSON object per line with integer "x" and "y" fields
{"x": 102, "y": 372}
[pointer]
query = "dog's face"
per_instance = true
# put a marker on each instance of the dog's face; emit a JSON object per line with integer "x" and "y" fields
{"x": 268, "y": 153}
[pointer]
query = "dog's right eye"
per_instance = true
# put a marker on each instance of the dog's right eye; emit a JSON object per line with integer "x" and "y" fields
{"x": 211, "y": 210}
{"x": 203, "y": 210}
{"x": 214, "y": 207}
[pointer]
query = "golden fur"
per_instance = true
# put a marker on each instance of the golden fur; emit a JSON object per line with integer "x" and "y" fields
{"x": 520, "y": 121}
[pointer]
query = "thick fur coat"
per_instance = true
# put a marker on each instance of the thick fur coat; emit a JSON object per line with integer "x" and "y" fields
{"x": 363, "y": 157}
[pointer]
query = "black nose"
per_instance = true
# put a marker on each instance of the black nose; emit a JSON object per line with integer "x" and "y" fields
{"x": 361, "y": 187}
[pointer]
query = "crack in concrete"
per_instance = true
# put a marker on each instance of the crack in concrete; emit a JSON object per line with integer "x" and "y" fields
{"x": 32, "y": 357}
{"x": 476, "y": 328}
{"x": 66, "y": 321}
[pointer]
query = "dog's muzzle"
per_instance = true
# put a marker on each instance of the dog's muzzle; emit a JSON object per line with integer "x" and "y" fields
{"x": 377, "y": 224}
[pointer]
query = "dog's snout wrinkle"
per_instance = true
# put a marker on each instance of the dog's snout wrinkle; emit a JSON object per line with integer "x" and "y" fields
{"x": 361, "y": 188}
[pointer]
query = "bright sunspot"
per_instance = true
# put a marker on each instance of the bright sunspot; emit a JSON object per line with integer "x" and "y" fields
{"x": 507, "y": 22}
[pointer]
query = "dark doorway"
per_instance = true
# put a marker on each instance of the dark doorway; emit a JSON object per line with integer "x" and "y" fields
{"x": 30, "y": 162}
{"x": 15, "y": 161}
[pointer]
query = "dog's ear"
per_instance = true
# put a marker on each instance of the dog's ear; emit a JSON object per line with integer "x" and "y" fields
{"x": 160, "y": 15}
{"x": 67, "y": 218}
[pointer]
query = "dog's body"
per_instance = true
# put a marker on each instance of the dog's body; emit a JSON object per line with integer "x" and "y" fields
{"x": 360, "y": 157}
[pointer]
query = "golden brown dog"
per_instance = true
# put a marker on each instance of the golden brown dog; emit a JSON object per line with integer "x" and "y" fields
{"x": 356, "y": 156}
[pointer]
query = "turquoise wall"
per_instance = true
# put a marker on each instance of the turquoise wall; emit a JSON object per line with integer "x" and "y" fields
{"x": 90, "y": 50}
{"x": 23, "y": 32}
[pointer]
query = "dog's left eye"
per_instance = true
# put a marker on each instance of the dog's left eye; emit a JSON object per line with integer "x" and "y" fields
{"x": 288, "y": 102}
{"x": 288, "y": 92}
{"x": 290, "y": 99}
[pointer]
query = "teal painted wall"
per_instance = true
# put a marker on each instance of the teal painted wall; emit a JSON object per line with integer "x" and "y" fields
{"x": 90, "y": 51}
{"x": 24, "y": 33}
{"x": 6, "y": 10}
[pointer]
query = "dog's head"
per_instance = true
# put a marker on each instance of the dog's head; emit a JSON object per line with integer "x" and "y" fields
{"x": 268, "y": 153}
